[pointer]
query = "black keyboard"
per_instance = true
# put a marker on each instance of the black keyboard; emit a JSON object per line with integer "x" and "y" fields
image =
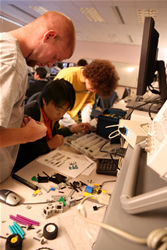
{"x": 143, "y": 106}
{"x": 107, "y": 166}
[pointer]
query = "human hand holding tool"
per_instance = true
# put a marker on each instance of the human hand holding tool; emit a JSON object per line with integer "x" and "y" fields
{"x": 81, "y": 127}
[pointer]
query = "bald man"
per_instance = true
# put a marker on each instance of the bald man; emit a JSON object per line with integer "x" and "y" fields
{"x": 49, "y": 38}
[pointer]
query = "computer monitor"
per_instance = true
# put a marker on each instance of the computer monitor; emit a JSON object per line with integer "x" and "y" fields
{"x": 149, "y": 63}
{"x": 126, "y": 92}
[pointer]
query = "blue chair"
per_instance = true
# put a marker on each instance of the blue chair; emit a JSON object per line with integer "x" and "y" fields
{"x": 103, "y": 103}
{"x": 33, "y": 97}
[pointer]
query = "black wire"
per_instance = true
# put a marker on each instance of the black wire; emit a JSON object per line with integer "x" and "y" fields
{"x": 113, "y": 151}
{"x": 102, "y": 147}
{"x": 106, "y": 182}
{"x": 135, "y": 109}
{"x": 80, "y": 199}
{"x": 114, "y": 161}
{"x": 157, "y": 101}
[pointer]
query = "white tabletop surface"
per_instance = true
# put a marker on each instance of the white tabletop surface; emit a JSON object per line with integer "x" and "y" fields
{"x": 73, "y": 232}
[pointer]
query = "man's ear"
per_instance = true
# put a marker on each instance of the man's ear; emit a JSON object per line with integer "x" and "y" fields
{"x": 43, "y": 100}
{"x": 48, "y": 34}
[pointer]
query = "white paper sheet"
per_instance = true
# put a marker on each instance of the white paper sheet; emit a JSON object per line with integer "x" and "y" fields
{"x": 65, "y": 162}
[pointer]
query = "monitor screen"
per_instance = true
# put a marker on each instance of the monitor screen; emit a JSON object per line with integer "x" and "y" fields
{"x": 126, "y": 92}
{"x": 148, "y": 61}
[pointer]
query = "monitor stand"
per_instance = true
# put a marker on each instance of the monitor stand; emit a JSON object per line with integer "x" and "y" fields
{"x": 144, "y": 202}
{"x": 139, "y": 224}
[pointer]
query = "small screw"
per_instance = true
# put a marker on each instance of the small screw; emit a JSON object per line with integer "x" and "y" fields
{"x": 27, "y": 227}
{"x": 42, "y": 240}
{"x": 38, "y": 231}
{"x": 28, "y": 207}
{"x": 39, "y": 235}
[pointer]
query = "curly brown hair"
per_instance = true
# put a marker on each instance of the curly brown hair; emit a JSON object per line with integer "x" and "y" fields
{"x": 103, "y": 76}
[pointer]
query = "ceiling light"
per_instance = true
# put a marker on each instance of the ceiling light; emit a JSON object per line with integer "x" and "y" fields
{"x": 130, "y": 69}
{"x": 80, "y": 34}
{"x": 142, "y": 13}
{"x": 118, "y": 14}
{"x": 17, "y": 8}
{"x": 38, "y": 9}
{"x": 92, "y": 14}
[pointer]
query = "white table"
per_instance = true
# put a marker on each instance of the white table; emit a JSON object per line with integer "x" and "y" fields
{"x": 73, "y": 232}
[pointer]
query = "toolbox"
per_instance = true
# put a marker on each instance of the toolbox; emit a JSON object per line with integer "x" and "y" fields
{"x": 107, "y": 118}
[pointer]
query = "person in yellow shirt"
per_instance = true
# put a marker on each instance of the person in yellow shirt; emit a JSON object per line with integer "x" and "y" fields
{"x": 100, "y": 76}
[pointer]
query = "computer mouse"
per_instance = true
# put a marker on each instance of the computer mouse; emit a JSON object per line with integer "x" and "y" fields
{"x": 9, "y": 197}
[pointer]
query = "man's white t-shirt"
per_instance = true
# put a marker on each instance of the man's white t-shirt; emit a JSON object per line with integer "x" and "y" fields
{"x": 13, "y": 85}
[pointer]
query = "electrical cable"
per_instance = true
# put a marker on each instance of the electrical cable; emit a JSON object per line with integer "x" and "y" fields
{"x": 37, "y": 203}
{"x": 154, "y": 102}
{"x": 114, "y": 151}
{"x": 106, "y": 182}
{"x": 154, "y": 239}
{"x": 114, "y": 161}
{"x": 153, "y": 90}
{"x": 104, "y": 151}
{"x": 114, "y": 125}
{"x": 157, "y": 101}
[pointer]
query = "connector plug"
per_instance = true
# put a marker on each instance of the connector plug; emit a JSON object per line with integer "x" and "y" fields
{"x": 103, "y": 198}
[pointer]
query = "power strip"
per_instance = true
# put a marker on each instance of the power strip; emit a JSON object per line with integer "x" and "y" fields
{"x": 133, "y": 131}
{"x": 156, "y": 143}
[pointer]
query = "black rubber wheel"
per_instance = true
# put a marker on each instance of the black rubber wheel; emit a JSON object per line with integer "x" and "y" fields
{"x": 50, "y": 231}
{"x": 14, "y": 242}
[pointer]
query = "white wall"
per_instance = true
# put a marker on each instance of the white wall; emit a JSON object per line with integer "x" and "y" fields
{"x": 113, "y": 52}
{"x": 126, "y": 58}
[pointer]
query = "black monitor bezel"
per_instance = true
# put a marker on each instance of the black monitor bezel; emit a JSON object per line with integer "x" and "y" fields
{"x": 148, "y": 61}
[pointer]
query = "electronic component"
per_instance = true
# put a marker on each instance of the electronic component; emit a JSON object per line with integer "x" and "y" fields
{"x": 133, "y": 131}
{"x": 50, "y": 209}
{"x": 107, "y": 166}
{"x": 156, "y": 143}
{"x": 89, "y": 191}
{"x": 71, "y": 201}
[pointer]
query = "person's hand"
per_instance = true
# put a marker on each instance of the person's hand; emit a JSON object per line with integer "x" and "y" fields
{"x": 81, "y": 127}
{"x": 34, "y": 130}
{"x": 25, "y": 121}
{"x": 56, "y": 141}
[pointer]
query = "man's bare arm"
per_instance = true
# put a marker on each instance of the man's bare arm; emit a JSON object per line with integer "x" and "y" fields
{"x": 32, "y": 131}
